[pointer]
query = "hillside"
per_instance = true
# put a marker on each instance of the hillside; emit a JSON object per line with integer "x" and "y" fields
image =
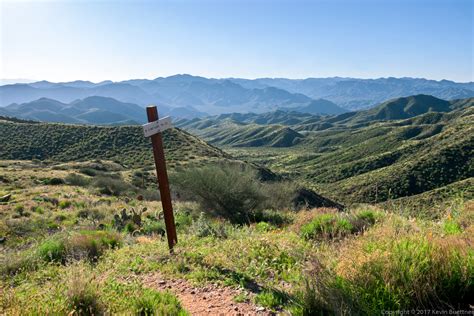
{"x": 360, "y": 156}
{"x": 124, "y": 144}
{"x": 252, "y": 136}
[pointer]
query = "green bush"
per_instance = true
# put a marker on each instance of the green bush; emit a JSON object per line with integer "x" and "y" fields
{"x": 272, "y": 299}
{"x": 366, "y": 215}
{"x": 231, "y": 192}
{"x": 81, "y": 245}
{"x": 52, "y": 250}
{"x": 326, "y": 226}
{"x": 64, "y": 204}
{"x": 151, "y": 302}
{"x": 278, "y": 195}
{"x": 16, "y": 263}
{"x": 264, "y": 227}
{"x": 276, "y": 218}
{"x": 92, "y": 244}
{"x": 78, "y": 180}
{"x": 203, "y": 227}
{"x": 54, "y": 181}
{"x": 82, "y": 294}
{"x": 88, "y": 172}
{"x": 111, "y": 186}
{"x": 152, "y": 227}
{"x": 91, "y": 214}
{"x": 37, "y": 209}
{"x": 450, "y": 227}
{"x": 387, "y": 271}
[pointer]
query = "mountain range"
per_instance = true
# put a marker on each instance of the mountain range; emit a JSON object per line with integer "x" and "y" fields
{"x": 91, "y": 110}
{"x": 194, "y": 95}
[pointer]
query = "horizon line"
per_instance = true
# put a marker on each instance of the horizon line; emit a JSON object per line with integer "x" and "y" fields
{"x": 219, "y": 78}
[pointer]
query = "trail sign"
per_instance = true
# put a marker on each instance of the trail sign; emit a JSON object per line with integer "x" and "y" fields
{"x": 157, "y": 126}
{"x": 153, "y": 129}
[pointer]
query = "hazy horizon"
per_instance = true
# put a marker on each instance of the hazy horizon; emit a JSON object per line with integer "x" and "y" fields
{"x": 104, "y": 40}
{"x": 26, "y": 80}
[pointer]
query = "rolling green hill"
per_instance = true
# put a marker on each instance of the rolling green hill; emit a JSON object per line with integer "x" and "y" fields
{"x": 230, "y": 133}
{"x": 125, "y": 144}
{"x": 379, "y": 160}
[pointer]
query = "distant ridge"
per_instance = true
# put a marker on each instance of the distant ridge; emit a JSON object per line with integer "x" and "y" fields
{"x": 217, "y": 96}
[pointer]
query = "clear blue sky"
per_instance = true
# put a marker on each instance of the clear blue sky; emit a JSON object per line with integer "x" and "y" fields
{"x": 117, "y": 40}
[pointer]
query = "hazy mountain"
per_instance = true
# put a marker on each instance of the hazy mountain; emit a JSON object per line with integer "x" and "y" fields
{"x": 181, "y": 91}
{"x": 13, "y": 81}
{"x": 319, "y": 106}
{"x": 353, "y": 94}
{"x": 217, "y": 96}
{"x": 91, "y": 110}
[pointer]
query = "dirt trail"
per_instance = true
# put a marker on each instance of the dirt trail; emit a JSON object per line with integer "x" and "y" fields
{"x": 208, "y": 300}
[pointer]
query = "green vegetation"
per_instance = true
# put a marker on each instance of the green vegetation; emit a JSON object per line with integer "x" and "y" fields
{"x": 124, "y": 144}
{"x": 86, "y": 236}
{"x": 380, "y": 161}
{"x": 100, "y": 253}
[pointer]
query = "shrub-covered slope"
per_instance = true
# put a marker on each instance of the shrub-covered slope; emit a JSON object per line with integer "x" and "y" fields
{"x": 125, "y": 144}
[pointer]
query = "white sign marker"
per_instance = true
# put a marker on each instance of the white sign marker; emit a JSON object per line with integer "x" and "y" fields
{"x": 152, "y": 128}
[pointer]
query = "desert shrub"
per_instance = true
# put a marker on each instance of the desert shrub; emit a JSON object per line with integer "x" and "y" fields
{"x": 203, "y": 227}
{"x": 278, "y": 195}
{"x": 264, "y": 227}
{"x": 25, "y": 225}
{"x": 271, "y": 298}
{"x": 91, "y": 214}
{"x": 363, "y": 219}
{"x": 54, "y": 181}
{"x": 385, "y": 272}
{"x": 37, "y": 209}
{"x": 88, "y": 172}
{"x": 110, "y": 186}
{"x": 82, "y": 294}
{"x": 366, "y": 215}
{"x": 151, "y": 302}
{"x": 149, "y": 195}
{"x": 19, "y": 209}
{"x": 16, "y": 263}
{"x": 81, "y": 245}
{"x": 450, "y": 227}
{"x": 91, "y": 244}
{"x": 76, "y": 179}
{"x": 20, "y": 212}
{"x": 323, "y": 294}
{"x": 64, "y": 204}
{"x": 326, "y": 226}
{"x": 52, "y": 250}
{"x": 276, "y": 218}
{"x": 152, "y": 227}
{"x": 183, "y": 219}
{"x": 231, "y": 192}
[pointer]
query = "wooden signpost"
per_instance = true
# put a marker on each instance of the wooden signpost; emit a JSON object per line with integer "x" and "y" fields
{"x": 153, "y": 129}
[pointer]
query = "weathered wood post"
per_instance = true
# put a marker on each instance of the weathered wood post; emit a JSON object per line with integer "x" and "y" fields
{"x": 153, "y": 129}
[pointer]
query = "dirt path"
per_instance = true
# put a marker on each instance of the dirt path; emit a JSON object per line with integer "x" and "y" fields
{"x": 208, "y": 300}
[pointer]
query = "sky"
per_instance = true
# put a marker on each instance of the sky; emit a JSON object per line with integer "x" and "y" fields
{"x": 119, "y": 40}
